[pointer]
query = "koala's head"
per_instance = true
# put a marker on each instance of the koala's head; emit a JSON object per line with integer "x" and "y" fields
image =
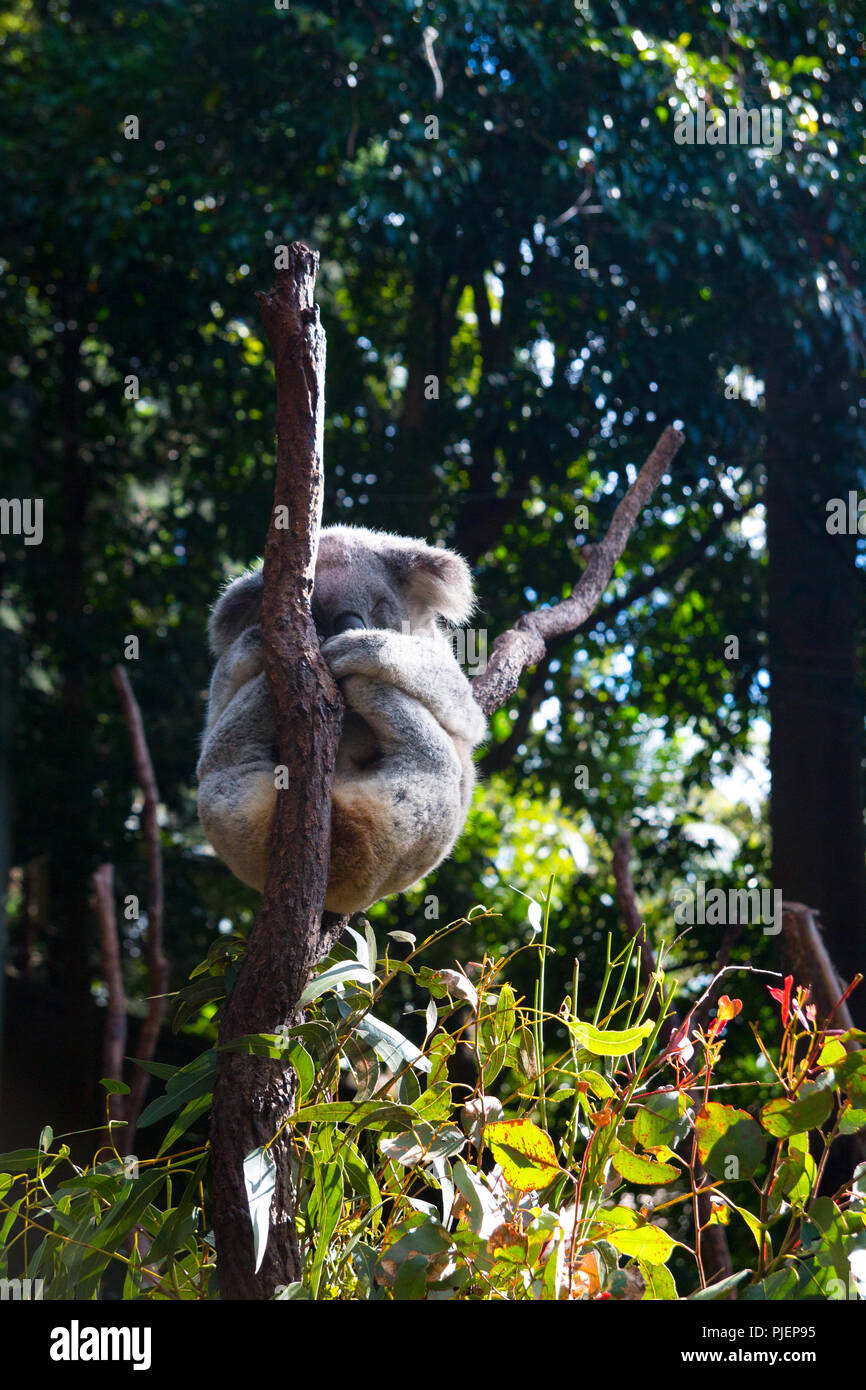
{"x": 370, "y": 579}
{"x": 364, "y": 579}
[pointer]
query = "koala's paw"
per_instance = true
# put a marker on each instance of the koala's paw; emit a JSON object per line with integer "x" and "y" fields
{"x": 357, "y": 652}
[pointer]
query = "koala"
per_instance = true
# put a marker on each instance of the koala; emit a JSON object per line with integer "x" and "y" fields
{"x": 404, "y": 772}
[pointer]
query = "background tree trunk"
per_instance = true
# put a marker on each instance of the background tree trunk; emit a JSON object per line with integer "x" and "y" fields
{"x": 816, "y": 741}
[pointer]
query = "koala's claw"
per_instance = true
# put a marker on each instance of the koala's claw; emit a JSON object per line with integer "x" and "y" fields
{"x": 353, "y": 652}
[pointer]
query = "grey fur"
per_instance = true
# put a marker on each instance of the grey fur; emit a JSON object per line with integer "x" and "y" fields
{"x": 404, "y": 775}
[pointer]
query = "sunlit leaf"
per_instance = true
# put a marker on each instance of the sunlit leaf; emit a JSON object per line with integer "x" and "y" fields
{"x": 260, "y": 1177}
{"x": 730, "y": 1142}
{"x": 337, "y": 975}
{"x": 609, "y": 1042}
{"x": 645, "y": 1171}
{"x": 782, "y": 1117}
{"x": 524, "y": 1152}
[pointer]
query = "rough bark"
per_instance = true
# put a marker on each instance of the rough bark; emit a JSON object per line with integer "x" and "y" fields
{"x": 253, "y": 1097}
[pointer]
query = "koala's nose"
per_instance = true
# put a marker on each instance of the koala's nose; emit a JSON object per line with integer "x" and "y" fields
{"x": 346, "y": 622}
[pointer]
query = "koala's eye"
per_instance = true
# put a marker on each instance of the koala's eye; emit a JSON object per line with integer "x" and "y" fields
{"x": 346, "y": 622}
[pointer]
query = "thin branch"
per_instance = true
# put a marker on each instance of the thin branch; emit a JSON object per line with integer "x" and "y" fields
{"x": 114, "y": 1036}
{"x": 157, "y": 965}
{"x": 701, "y": 1011}
{"x": 500, "y": 755}
{"x": 525, "y": 644}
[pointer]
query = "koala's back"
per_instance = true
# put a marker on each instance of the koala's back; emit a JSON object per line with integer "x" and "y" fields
{"x": 402, "y": 783}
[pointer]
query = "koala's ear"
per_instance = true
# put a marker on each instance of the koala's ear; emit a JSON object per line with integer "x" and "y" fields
{"x": 238, "y": 607}
{"x": 437, "y": 579}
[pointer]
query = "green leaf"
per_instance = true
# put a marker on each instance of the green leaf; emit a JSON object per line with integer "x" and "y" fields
{"x": 435, "y": 1104}
{"x": 524, "y": 1152}
{"x": 793, "y": 1180}
{"x": 361, "y": 1179}
{"x": 659, "y": 1282}
{"x": 776, "y": 1287}
{"x": 598, "y": 1084}
{"x": 425, "y": 1144}
{"x": 754, "y": 1225}
{"x": 180, "y": 1224}
{"x": 505, "y": 1018}
{"x": 337, "y": 975}
{"x": 730, "y": 1143}
{"x": 783, "y": 1118}
{"x": 644, "y": 1171}
{"x": 200, "y": 1105}
{"x": 610, "y": 1042}
{"x": 852, "y": 1121}
{"x": 365, "y": 1067}
{"x": 659, "y": 1124}
{"x": 114, "y": 1088}
{"x": 192, "y": 997}
{"x": 851, "y": 1076}
{"x": 649, "y": 1244}
{"x": 187, "y": 1083}
{"x": 492, "y": 1064}
{"x": 720, "y": 1289}
{"x": 260, "y": 1180}
{"x": 370, "y": 1114}
{"x": 411, "y": 1281}
{"x": 136, "y": 1197}
{"x": 20, "y": 1160}
{"x": 325, "y": 1206}
{"x": 163, "y": 1070}
{"x": 389, "y": 1045}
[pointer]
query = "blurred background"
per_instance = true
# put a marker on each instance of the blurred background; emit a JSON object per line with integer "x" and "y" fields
{"x": 524, "y": 278}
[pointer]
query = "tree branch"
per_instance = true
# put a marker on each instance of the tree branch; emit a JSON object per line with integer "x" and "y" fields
{"x": 114, "y": 1037}
{"x": 157, "y": 965}
{"x": 526, "y": 643}
{"x": 500, "y": 755}
{"x": 253, "y": 1097}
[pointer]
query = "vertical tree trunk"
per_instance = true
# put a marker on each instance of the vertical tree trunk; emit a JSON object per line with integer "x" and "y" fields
{"x": 254, "y": 1097}
{"x": 816, "y": 743}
